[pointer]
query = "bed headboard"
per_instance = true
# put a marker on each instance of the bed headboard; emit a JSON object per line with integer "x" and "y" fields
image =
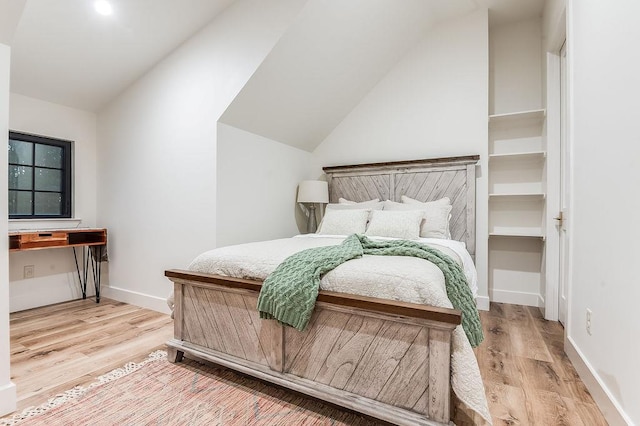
{"x": 423, "y": 180}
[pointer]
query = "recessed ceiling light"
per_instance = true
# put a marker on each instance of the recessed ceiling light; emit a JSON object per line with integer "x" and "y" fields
{"x": 103, "y": 7}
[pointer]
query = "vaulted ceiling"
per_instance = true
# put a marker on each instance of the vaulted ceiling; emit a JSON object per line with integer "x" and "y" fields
{"x": 327, "y": 61}
{"x": 64, "y": 52}
{"x": 332, "y": 55}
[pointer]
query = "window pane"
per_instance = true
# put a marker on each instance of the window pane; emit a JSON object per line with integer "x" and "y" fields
{"x": 48, "y": 156}
{"x": 39, "y": 176}
{"x": 19, "y": 203}
{"x": 48, "y": 203}
{"x": 20, "y": 152}
{"x": 48, "y": 180}
{"x": 20, "y": 177}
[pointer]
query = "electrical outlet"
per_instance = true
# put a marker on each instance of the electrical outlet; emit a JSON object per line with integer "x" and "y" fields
{"x": 589, "y": 315}
{"x": 28, "y": 271}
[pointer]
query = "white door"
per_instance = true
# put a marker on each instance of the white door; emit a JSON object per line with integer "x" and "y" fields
{"x": 563, "y": 216}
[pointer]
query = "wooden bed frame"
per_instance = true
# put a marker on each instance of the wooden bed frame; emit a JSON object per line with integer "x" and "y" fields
{"x": 383, "y": 358}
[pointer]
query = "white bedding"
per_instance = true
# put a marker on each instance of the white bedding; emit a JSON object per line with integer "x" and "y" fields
{"x": 258, "y": 260}
{"x": 402, "y": 278}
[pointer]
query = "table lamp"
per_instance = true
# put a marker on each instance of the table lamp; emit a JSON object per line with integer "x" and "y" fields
{"x": 311, "y": 192}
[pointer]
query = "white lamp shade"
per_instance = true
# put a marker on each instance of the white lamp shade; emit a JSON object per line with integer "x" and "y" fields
{"x": 313, "y": 191}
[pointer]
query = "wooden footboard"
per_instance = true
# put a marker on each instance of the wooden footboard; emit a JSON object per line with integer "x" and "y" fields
{"x": 383, "y": 358}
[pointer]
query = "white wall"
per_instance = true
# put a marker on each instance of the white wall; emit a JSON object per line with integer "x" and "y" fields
{"x": 605, "y": 139}
{"x": 433, "y": 103}
{"x": 157, "y": 149}
{"x": 7, "y": 389}
{"x": 55, "y": 277}
{"x": 553, "y": 24}
{"x": 516, "y": 67}
{"x": 256, "y": 193}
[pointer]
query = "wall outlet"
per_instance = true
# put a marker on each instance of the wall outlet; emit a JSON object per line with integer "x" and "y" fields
{"x": 589, "y": 314}
{"x": 28, "y": 271}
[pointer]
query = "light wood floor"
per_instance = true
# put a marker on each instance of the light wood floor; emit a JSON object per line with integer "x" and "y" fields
{"x": 57, "y": 347}
{"x": 528, "y": 378}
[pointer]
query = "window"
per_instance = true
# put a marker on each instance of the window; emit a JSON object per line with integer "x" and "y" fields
{"x": 39, "y": 177}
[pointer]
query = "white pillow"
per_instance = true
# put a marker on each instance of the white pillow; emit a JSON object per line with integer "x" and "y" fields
{"x": 344, "y": 222}
{"x": 436, "y": 216}
{"x": 375, "y": 201}
{"x": 397, "y": 224}
{"x": 442, "y": 201}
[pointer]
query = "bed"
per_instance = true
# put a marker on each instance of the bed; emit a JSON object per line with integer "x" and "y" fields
{"x": 397, "y": 361}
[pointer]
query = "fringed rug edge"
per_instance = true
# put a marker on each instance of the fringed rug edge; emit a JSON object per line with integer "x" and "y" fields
{"x": 78, "y": 391}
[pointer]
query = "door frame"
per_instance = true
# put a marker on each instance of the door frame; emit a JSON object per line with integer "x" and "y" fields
{"x": 552, "y": 141}
{"x": 552, "y": 246}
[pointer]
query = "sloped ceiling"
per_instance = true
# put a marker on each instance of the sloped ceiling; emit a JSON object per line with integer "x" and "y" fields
{"x": 10, "y": 12}
{"x": 327, "y": 61}
{"x": 334, "y": 53}
{"x": 64, "y": 52}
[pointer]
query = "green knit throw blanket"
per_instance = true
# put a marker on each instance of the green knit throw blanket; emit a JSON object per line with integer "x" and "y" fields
{"x": 289, "y": 293}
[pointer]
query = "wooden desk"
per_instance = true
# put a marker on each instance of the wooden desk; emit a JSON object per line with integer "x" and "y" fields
{"x": 93, "y": 242}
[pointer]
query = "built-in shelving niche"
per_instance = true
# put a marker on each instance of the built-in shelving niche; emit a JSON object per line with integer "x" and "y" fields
{"x": 517, "y": 195}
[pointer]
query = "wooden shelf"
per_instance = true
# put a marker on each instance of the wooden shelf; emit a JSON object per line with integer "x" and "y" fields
{"x": 514, "y": 118}
{"x": 518, "y": 156}
{"x": 534, "y": 196}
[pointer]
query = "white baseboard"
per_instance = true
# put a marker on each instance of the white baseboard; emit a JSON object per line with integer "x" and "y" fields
{"x": 8, "y": 399}
{"x": 482, "y": 302}
{"x": 515, "y": 297}
{"x": 613, "y": 413}
{"x": 154, "y": 303}
{"x": 541, "y": 304}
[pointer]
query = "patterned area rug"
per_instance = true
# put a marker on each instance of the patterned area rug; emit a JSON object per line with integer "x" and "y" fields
{"x": 158, "y": 392}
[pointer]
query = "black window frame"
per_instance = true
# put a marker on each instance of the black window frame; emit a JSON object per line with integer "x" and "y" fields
{"x": 66, "y": 190}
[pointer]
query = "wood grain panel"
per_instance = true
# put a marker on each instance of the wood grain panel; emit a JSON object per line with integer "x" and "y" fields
{"x": 196, "y": 322}
{"x": 381, "y": 359}
{"x": 244, "y": 327}
{"x": 413, "y": 368}
{"x": 429, "y": 186}
{"x": 178, "y": 301}
{"x": 228, "y": 322}
{"x": 219, "y": 312}
{"x": 416, "y": 185}
{"x": 269, "y": 334}
{"x": 360, "y": 188}
{"x": 348, "y": 351}
{"x": 439, "y": 379}
{"x": 305, "y": 360}
{"x": 272, "y": 340}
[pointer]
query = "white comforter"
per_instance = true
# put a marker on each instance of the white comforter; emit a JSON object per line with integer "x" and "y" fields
{"x": 401, "y": 278}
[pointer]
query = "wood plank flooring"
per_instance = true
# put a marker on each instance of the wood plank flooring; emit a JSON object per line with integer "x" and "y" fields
{"x": 528, "y": 378}
{"x": 57, "y": 347}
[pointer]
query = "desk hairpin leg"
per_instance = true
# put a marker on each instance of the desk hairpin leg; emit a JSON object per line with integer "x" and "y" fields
{"x": 91, "y": 255}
